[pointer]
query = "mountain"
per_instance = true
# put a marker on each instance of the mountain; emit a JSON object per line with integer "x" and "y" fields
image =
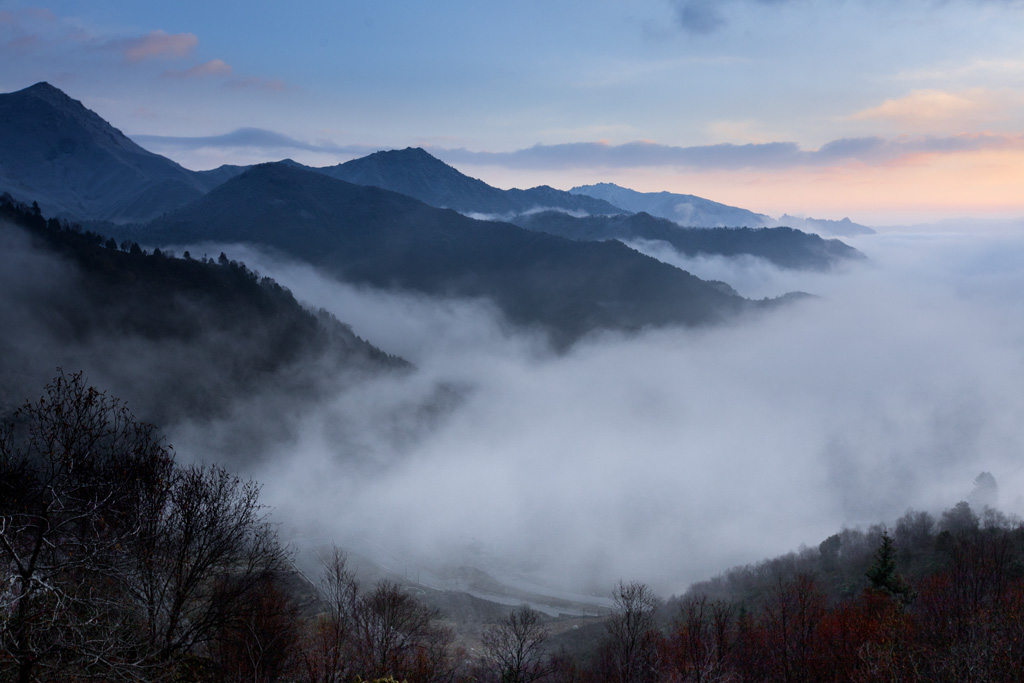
{"x": 684, "y": 209}
{"x": 378, "y": 237}
{"x": 414, "y": 172}
{"x": 690, "y": 211}
{"x": 181, "y": 338}
{"x": 785, "y": 247}
{"x": 822, "y": 226}
{"x": 55, "y": 151}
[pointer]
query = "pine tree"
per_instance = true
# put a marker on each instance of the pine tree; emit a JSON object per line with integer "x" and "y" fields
{"x": 883, "y": 574}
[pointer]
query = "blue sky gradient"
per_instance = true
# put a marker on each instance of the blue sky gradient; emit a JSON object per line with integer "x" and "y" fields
{"x": 881, "y": 111}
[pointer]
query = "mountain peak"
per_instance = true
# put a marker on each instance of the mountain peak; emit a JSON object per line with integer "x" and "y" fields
{"x": 42, "y": 86}
{"x": 43, "y": 97}
{"x": 408, "y": 155}
{"x": 50, "y": 94}
{"x": 56, "y": 151}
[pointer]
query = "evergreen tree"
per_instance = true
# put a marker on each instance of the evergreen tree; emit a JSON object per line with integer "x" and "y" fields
{"x": 883, "y": 574}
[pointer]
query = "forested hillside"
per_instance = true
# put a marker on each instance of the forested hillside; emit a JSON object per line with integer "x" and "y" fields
{"x": 201, "y": 331}
{"x": 375, "y": 237}
{"x": 784, "y": 247}
{"x": 120, "y": 563}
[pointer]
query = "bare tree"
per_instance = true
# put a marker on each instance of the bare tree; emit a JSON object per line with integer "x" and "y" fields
{"x": 391, "y": 629}
{"x": 701, "y": 642}
{"x": 326, "y": 652}
{"x": 72, "y": 466}
{"x": 115, "y": 560}
{"x": 207, "y": 548}
{"x": 385, "y": 632}
{"x": 260, "y": 645}
{"x": 515, "y": 647}
{"x": 630, "y": 653}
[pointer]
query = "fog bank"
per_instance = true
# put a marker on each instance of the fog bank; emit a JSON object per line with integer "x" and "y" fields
{"x": 670, "y": 455}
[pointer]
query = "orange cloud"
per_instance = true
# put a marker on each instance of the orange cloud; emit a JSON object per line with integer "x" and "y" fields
{"x": 160, "y": 45}
{"x": 941, "y": 111}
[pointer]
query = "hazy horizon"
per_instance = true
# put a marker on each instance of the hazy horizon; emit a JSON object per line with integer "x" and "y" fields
{"x": 890, "y": 114}
{"x": 664, "y": 456}
{"x": 674, "y": 454}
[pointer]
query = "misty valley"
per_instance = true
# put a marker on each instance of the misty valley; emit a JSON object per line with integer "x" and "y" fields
{"x": 384, "y": 421}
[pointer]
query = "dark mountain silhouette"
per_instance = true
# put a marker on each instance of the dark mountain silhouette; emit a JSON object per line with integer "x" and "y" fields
{"x": 56, "y": 152}
{"x": 785, "y": 247}
{"x": 684, "y": 209}
{"x": 414, "y": 172}
{"x": 374, "y": 236}
{"x": 180, "y": 337}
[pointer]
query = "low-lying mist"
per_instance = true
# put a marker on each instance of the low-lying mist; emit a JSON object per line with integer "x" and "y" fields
{"x": 666, "y": 456}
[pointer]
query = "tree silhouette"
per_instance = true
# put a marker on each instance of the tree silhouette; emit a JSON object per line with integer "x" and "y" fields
{"x": 514, "y": 648}
{"x": 883, "y": 574}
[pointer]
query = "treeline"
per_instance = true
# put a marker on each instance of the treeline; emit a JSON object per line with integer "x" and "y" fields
{"x": 116, "y": 562}
{"x": 204, "y": 331}
{"x": 158, "y": 281}
{"x": 942, "y": 600}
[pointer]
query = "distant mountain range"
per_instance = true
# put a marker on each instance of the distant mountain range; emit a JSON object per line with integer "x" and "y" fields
{"x": 396, "y": 219}
{"x": 385, "y": 239}
{"x": 683, "y": 209}
{"x": 691, "y": 211}
{"x": 416, "y": 173}
{"x": 823, "y": 226}
{"x": 784, "y": 247}
{"x": 55, "y": 151}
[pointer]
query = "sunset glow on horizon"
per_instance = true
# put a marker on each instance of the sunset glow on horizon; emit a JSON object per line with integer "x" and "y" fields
{"x": 887, "y": 114}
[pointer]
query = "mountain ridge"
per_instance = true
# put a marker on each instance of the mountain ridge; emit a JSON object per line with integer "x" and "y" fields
{"x": 782, "y": 246}
{"x": 685, "y": 209}
{"x": 415, "y": 172}
{"x": 692, "y": 211}
{"x": 201, "y": 332}
{"x": 101, "y": 173}
{"x": 373, "y": 236}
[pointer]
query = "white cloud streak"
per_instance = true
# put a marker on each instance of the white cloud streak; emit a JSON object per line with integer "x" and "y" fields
{"x": 642, "y": 154}
{"x": 769, "y": 155}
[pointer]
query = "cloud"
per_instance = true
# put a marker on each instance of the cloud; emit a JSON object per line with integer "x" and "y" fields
{"x": 258, "y": 138}
{"x": 707, "y": 16}
{"x": 157, "y": 45}
{"x": 972, "y": 69}
{"x": 704, "y": 17}
{"x": 669, "y": 455}
{"x": 21, "y": 31}
{"x": 769, "y": 155}
{"x": 214, "y": 67}
{"x": 939, "y": 110}
{"x": 699, "y": 16}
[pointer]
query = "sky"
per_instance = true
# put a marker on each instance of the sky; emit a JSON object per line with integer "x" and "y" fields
{"x": 884, "y": 112}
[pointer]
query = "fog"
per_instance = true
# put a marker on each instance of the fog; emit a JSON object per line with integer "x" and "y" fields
{"x": 667, "y": 456}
